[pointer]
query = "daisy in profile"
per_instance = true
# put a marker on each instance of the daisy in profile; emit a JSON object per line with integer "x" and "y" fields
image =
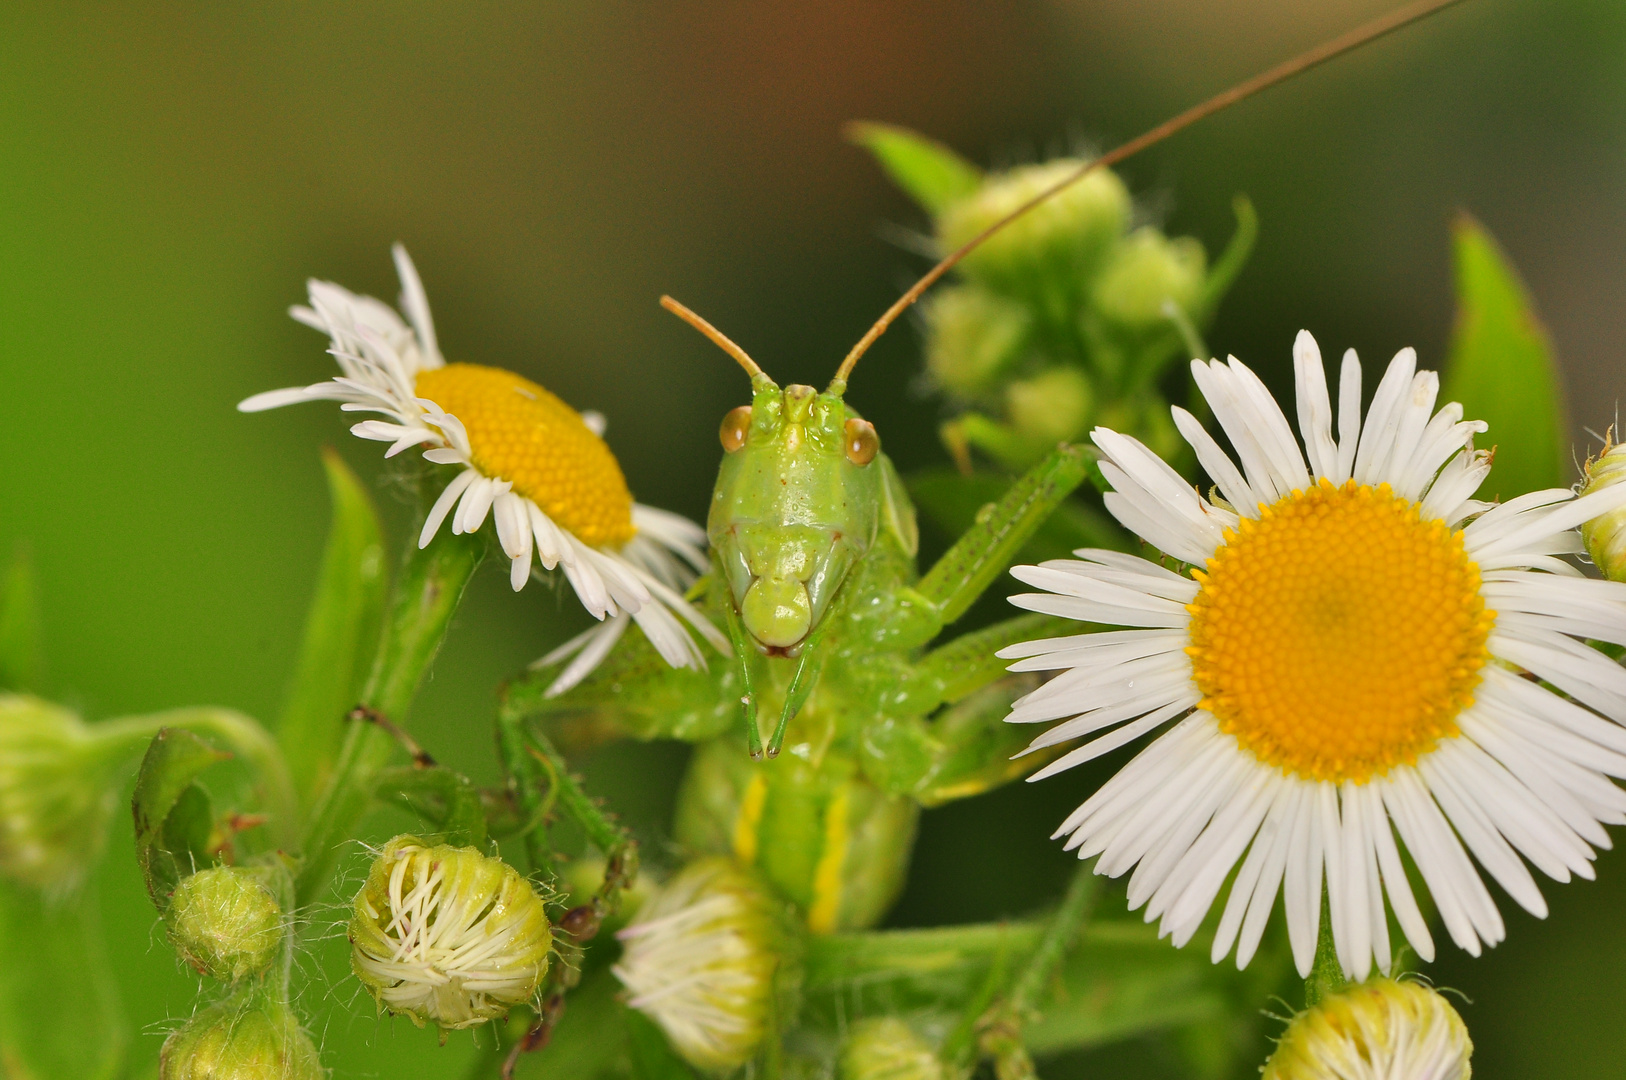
{"x": 539, "y": 470}
{"x": 1355, "y": 655}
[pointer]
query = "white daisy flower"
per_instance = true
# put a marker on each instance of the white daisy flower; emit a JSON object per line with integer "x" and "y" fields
{"x": 537, "y": 468}
{"x": 1359, "y": 649}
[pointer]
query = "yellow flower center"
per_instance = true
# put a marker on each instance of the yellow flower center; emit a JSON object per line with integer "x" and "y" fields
{"x": 1339, "y": 635}
{"x": 520, "y": 433}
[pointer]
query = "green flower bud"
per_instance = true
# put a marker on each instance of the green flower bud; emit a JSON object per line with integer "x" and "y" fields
{"x": 1606, "y": 536}
{"x": 972, "y": 335}
{"x": 1377, "y": 1028}
{"x": 705, "y": 960}
{"x": 57, "y": 792}
{"x": 1067, "y": 236}
{"x": 225, "y": 922}
{"x": 241, "y": 1040}
{"x": 1145, "y": 271}
{"x": 447, "y": 935}
{"x": 886, "y": 1048}
{"x": 1052, "y": 407}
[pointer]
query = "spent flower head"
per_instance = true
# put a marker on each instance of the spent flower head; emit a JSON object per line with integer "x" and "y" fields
{"x": 705, "y": 960}
{"x": 533, "y": 465}
{"x": 1377, "y": 1030}
{"x": 447, "y": 935}
{"x": 886, "y": 1048}
{"x": 1605, "y": 535}
{"x": 225, "y": 922}
{"x": 1346, "y": 658}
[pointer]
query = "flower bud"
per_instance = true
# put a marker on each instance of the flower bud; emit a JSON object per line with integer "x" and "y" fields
{"x": 56, "y": 793}
{"x": 1606, "y": 536}
{"x": 225, "y": 922}
{"x": 706, "y": 958}
{"x": 1053, "y": 406}
{"x": 886, "y": 1048}
{"x": 1065, "y": 237}
{"x": 972, "y": 335}
{"x": 241, "y": 1040}
{"x": 447, "y": 935}
{"x": 1376, "y": 1028}
{"x": 1145, "y": 271}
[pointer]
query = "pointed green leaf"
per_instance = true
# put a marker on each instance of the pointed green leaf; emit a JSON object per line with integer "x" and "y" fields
{"x": 1501, "y": 368}
{"x": 341, "y": 630}
{"x": 172, "y": 814}
{"x": 59, "y": 1005}
{"x": 22, "y": 656}
{"x": 929, "y": 172}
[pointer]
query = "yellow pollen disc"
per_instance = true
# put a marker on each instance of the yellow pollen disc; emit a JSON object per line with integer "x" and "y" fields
{"x": 521, "y": 433}
{"x": 1339, "y": 635}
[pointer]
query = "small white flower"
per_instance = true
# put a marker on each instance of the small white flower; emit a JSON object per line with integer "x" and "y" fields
{"x": 532, "y": 464}
{"x": 704, "y": 960}
{"x": 1346, "y": 659}
{"x": 1380, "y": 1030}
{"x": 447, "y": 935}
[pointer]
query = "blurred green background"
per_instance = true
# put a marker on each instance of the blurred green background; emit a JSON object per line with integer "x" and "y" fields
{"x": 170, "y": 175}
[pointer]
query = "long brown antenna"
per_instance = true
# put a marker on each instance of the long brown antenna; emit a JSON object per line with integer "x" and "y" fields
{"x": 1303, "y": 62}
{"x": 717, "y": 337}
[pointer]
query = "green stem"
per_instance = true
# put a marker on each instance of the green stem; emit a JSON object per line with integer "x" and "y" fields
{"x": 427, "y": 595}
{"x": 1327, "y": 973}
{"x": 528, "y": 783}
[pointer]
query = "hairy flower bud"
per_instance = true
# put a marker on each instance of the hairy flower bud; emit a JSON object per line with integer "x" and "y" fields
{"x": 886, "y": 1048}
{"x": 447, "y": 935}
{"x": 225, "y": 922}
{"x": 1377, "y": 1029}
{"x": 56, "y": 793}
{"x": 1053, "y": 406}
{"x": 1145, "y": 271}
{"x": 972, "y": 335}
{"x": 1606, "y": 536}
{"x": 705, "y": 960}
{"x": 241, "y": 1039}
{"x": 1060, "y": 241}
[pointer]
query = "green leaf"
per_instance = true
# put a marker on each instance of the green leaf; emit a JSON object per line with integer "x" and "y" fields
{"x": 172, "y": 814}
{"x": 59, "y": 1008}
{"x": 1501, "y": 368}
{"x": 22, "y": 657}
{"x": 341, "y": 630}
{"x": 929, "y": 172}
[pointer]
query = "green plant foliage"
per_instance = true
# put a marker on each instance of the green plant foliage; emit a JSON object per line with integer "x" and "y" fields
{"x": 340, "y": 630}
{"x": 173, "y": 816}
{"x": 932, "y": 174}
{"x": 1501, "y": 368}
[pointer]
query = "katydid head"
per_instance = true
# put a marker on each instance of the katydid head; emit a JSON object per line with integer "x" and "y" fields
{"x": 799, "y": 500}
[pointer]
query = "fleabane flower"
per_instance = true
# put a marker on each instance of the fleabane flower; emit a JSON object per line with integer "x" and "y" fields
{"x": 1379, "y": 1030}
{"x": 533, "y": 465}
{"x": 447, "y": 935}
{"x": 1359, "y": 649}
{"x": 706, "y": 958}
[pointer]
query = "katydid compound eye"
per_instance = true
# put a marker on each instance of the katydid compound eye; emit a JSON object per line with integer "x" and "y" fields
{"x": 735, "y": 425}
{"x": 860, "y": 440}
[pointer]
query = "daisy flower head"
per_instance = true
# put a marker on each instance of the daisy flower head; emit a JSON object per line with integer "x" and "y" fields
{"x": 538, "y": 469}
{"x": 1358, "y": 656}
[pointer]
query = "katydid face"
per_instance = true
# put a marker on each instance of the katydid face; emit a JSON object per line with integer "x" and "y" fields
{"x": 797, "y": 503}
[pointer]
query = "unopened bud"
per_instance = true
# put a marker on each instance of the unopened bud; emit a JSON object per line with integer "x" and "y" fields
{"x": 248, "y": 1039}
{"x": 1144, "y": 273}
{"x": 1606, "y": 536}
{"x": 1065, "y": 237}
{"x": 972, "y": 335}
{"x": 706, "y": 958}
{"x": 886, "y": 1048}
{"x": 225, "y": 922}
{"x": 1053, "y": 406}
{"x": 56, "y": 793}
{"x": 447, "y": 935}
{"x": 1377, "y": 1028}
